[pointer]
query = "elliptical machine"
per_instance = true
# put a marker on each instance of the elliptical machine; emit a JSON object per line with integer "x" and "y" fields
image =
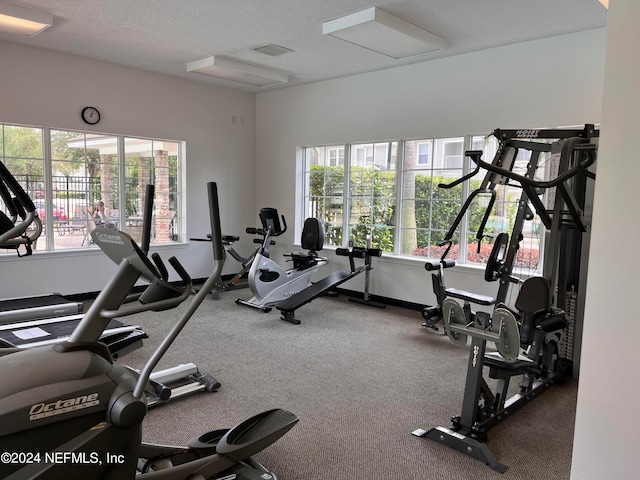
{"x": 269, "y": 282}
{"x": 78, "y": 414}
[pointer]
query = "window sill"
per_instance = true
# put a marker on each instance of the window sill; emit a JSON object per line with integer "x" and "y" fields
{"x": 80, "y": 252}
{"x": 418, "y": 261}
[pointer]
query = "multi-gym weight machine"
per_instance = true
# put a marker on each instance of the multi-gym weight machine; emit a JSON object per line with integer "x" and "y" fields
{"x": 534, "y": 340}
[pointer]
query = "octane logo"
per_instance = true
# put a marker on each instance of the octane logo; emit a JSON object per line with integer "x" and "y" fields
{"x": 44, "y": 410}
{"x": 109, "y": 238}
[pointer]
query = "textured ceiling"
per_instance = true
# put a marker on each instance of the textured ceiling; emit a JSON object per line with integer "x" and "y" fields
{"x": 162, "y": 36}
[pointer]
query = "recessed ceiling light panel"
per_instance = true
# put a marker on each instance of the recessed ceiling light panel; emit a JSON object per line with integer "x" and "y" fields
{"x": 384, "y": 33}
{"x": 23, "y": 21}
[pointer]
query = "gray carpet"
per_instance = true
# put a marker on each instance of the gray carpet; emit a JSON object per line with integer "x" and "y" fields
{"x": 361, "y": 379}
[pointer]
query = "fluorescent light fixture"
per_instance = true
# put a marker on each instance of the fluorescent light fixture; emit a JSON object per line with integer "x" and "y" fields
{"x": 384, "y": 33}
{"x": 23, "y": 21}
{"x": 221, "y": 67}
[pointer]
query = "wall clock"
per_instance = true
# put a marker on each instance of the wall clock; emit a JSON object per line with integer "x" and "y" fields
{"x": 90, "y": 115}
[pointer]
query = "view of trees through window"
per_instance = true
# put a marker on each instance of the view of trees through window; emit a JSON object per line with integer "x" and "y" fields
{"x": 395, "y": 199}
{"x": 67, "y": 173}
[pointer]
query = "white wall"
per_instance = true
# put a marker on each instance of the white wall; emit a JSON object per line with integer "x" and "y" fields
{"x": 547, "y": 83}
{"x": 44, "y": 88}
{"x": 607, "y": 433}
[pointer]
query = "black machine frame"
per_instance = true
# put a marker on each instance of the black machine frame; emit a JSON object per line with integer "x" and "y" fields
{"x": 538, "y": 325}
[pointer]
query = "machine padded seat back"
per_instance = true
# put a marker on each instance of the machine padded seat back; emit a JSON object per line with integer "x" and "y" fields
{"x": 270, "y": 220}
{"x": 533, "y": 303}
{"x": 312, "y": 240}
{"x": 312, "y": 235}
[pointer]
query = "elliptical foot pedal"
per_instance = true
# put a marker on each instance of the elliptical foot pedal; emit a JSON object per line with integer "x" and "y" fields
{"x": 211, "y": 384}
{"x": 256, "y": 433}
{"x": 206, "y": 443}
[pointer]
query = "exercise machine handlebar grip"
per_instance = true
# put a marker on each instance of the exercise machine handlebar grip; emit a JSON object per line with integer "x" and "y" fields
{"x": 177, "y": 266}
{"x": 436, "y": 264}
{"x": 164, "y": 274}
{"x": 216, "y": 231}
{"x": 147, "y": 215}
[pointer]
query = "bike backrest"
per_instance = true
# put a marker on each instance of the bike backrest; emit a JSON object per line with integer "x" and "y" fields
{"x": 312, "y": 235}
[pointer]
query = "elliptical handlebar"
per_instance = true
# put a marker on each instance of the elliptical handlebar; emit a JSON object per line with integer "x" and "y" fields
{"x": 159, "y": 294}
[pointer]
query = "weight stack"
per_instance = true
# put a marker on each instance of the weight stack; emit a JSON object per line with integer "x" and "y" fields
{"x": 566, "y": 348}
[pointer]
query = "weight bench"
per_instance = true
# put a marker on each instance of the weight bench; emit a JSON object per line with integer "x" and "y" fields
{"x": 288, "y": 306}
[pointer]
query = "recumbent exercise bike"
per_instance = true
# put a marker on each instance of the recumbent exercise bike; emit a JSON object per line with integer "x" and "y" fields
{"x": 269, "y": 282}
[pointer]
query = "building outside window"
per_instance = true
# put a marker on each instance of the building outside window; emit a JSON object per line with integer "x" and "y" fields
{"x": 67, "y": 173}
{"x": 389, "y": 195}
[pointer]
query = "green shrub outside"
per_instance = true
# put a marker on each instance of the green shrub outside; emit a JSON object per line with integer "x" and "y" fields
{"x": 373, "y": 202}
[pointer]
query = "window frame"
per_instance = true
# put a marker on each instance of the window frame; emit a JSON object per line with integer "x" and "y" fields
{"x": 175, "y": 188}
{"x": 469, "y": 142}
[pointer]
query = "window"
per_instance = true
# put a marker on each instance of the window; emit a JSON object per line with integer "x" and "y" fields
{"x": 77, "y": 170}
{"x": 336, "y": 156}
{"x": 372, "y": 198}
{"x": 324, "y": 190}
{"x": 428, "y": 211}
{"x": 388, "y": 195}
{"x": 424, "y": 153}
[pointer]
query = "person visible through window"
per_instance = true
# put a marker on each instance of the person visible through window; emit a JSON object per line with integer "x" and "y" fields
{"x": 101, "y": 215}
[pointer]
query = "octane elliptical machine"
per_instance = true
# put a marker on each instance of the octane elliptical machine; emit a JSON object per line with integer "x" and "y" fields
{"x": 269, "y": 282}
{"x": 78, "y": 414}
